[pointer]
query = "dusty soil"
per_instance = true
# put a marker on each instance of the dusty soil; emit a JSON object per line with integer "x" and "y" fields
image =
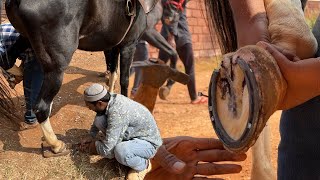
{"x": 20, "y": 155}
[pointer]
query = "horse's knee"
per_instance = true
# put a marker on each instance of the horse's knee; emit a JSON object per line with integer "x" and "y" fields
{"x": 42, "y": 110}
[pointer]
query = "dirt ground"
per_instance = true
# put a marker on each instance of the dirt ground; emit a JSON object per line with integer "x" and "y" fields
{"x": 20, "y": 155}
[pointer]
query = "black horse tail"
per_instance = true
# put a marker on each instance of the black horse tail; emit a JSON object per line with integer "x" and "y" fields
{"x": 220, "y": 20}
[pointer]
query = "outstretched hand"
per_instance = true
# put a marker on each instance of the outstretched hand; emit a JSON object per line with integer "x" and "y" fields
{"x": 185, "y": 157}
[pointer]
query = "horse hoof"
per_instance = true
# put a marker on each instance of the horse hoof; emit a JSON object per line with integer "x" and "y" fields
{"x": 47, "y": 151}
{"x": 243, "y": 94}
{"x": 164, "y": 92}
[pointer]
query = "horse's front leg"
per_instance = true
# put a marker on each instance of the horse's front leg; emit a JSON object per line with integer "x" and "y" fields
{"x": 50, "y": 87}
{"x": 54, "y": 58}
{"x": 126, "y": 56}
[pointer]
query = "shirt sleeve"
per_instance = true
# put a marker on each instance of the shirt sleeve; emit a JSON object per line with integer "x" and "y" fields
{"x": 116, "y": 128}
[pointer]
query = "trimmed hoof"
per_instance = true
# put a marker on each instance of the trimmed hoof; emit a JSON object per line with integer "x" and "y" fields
{"x": 244, "y": 92}
{"x": 164, "y": 92}
{"x": 47, "y": 151}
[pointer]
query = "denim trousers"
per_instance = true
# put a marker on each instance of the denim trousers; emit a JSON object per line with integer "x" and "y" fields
{"x": 134, "y": 153}
{"x": 32, "y": 81}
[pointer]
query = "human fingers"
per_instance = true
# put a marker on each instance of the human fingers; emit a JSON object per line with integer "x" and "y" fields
{"x": 173, "y": 141}
{"x": 168, "y": 161}
{"x": 207, "y": 143}
{"x": 282, "y": 61}
{"x": 86, "y": 140}
{"x": 217, "y": 155}
{"x": 83, "y": 148}
{"x": 216, "y": 169}
{"x": 287, "y": 54}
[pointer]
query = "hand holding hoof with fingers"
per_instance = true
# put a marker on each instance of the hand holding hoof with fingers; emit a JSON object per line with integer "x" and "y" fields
{"x": 87, "y": 147}
{"x": 188, "y": 158}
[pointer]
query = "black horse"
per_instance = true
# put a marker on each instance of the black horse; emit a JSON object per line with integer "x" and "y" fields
{"x": 56, "y": 28}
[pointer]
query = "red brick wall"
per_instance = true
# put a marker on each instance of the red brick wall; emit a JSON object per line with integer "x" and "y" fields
{"x": 202, "y": 44}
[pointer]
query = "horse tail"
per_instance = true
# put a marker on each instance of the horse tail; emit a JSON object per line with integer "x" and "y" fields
{"x": 220, "y": 20}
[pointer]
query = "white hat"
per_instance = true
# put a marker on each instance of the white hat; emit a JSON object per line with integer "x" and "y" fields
{"x": 95, "y": 92}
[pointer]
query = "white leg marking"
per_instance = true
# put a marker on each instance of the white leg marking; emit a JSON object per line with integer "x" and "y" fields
{"x": 50, "y": 137}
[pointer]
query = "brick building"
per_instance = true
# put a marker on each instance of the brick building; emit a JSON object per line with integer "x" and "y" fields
{"x": 202, "y": 43}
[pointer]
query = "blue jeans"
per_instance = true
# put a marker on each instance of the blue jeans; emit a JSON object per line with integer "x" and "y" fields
{"x": 32, "y": 81}
{"x": 134, "y": 153}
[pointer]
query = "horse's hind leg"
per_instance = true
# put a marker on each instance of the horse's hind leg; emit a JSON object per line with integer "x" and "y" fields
{"x": 126, "y": 56}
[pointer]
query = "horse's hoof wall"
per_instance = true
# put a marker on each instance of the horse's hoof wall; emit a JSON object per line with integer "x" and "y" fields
{"x": 47, "y": 151}
{"x": 164, "y": 92}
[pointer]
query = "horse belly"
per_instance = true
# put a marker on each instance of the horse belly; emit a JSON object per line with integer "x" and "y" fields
{"x": 95, "y": 43}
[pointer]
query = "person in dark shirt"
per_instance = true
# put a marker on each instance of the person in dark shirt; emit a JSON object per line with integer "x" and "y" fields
{"x": 179, "y": 32}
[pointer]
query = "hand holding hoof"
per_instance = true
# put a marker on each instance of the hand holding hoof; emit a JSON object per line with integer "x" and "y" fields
{"x": 87, "y": 147}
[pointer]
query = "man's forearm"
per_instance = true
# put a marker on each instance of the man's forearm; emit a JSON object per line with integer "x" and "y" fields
{"x": 247, "y": 15}
{"x": 244, "y": 10}
{"x": 305, "y": 82}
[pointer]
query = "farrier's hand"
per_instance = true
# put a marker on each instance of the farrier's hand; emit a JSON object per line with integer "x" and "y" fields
{"x": 302, "y": 76}
{"x": 181, "y": 158}
{"x": 89, "y": 148}
{"x": 87, "y": 139}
